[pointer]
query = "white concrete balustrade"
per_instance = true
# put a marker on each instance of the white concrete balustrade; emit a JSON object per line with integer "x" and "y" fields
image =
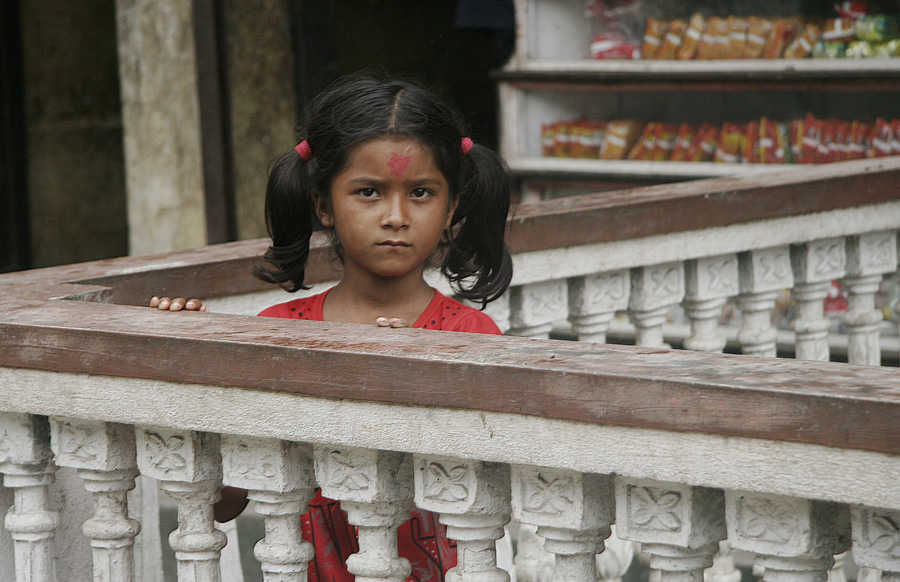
{"x": 684, "y": 452}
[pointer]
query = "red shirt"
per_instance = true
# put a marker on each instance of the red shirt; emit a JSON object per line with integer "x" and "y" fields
{"x": 442, "y": 313}
{"x": 422, "y": 540}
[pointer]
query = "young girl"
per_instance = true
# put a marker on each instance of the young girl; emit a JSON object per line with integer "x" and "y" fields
{"x": 389, "y": 171}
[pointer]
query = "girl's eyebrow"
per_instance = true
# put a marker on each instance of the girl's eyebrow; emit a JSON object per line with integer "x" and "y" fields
{"x": 366, "y": 180}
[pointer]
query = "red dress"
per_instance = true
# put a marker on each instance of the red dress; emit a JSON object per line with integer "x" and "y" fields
{"x": 422, "y": 539}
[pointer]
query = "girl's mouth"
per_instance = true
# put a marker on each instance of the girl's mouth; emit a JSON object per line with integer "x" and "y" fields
{"x": 393, "y": 243}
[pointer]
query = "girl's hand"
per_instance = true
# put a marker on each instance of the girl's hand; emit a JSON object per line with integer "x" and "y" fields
{"x": 177, "y": 304}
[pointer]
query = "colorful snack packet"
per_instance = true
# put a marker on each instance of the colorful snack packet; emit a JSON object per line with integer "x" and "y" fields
{"x": 758, "y": 31}
{"x": 737, "y": 36}
{"x": 691, "y": 37}
{"x": 653, "y": 37}
{"x": 644, "y": 146}
{"x": 704, "y": 146}
{"x": 664, "y": 142}
{"x": 802, "y": 45}
{"x": 882, "y": 136}
{"x": 672, "y": 40}
{"x": 730, "y": 139}
{"x": 620, "y": 136}
{"x": 750, "y": 144}
{"x": 683, "y": 140}
{"x": 860, "y": 140}
{"x": 548, "y": 137}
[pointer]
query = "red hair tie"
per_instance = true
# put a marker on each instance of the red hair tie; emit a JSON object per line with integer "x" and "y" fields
{"x": 304, "y": 150}
{"x": 466, "y": 145}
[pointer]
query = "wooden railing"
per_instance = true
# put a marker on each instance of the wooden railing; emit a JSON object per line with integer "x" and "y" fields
{"x": 793, "y": 461}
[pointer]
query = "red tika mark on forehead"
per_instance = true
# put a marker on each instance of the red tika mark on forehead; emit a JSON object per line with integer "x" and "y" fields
{"x": 398, "y": 164}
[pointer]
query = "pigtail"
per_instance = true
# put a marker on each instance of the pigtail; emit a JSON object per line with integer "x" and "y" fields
{"x": 290, "y": 219}
{"x": 477, "y": 261}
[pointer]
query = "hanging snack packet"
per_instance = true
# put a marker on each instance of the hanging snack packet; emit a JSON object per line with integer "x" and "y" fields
{"x": 653, "y": 37}
{"x": 683, "y": 140}
{"x": 548, "y": 135}
{"x": 750, "y": 145}
{"x": 691, "y": 37}
{"x": 644, "y": 146}
{"x": 877, "y": 27}
{"x": 737, "y": 36}
{"x": 561, "y": 140}
{"x": 672, "y": 40}
{"x": 664, "y": 142}
{"x": 768, "y": 140}
{"x": 730, "y": 141}
{"x": 704, "y": 147}
{"x": 758, "y": 32}
{"x": 619, "y": 138}
{"x": 838, "y": 30}
{"x": 881, "y": 139}
{"x": 824, "y": 151}
{"x": 839, "y": 148}
{"x": 860, "y": 140}
{"x": 802, "y": 45}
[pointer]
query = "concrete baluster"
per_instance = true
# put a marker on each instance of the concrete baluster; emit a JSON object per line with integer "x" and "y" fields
{"x": 816, "y": 265}
{"x": 876, "y": 543}
{"x": 105, "y": 458}
{"x": 472, "y": 498}
{"x": 572, "y": 511}
{"x": 375, "y": 488}
{"x": 678, "y": 525}
{"x": 594, "y": 301}
{"x": 28, "y": 470}
{"x": 188, "y": 466}
{"x": 869, "y": 257}
{"x": 533, "y": 308}
{"x": 654, "y": 291}
{"x": 709, "y": 282}
{"x": 280, "y": 478}
{"x": 761, "y": 275}
{"x": 794, "y": 539}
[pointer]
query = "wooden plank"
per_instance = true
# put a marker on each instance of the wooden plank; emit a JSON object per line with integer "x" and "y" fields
{"x": 808, "y": 402}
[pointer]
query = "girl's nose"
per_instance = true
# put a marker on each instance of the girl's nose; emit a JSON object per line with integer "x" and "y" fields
{"x": 396, "y": 213}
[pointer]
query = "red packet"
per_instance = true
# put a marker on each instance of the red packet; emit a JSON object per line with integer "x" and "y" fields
{"x": 664, "y": 143}
{"x": 644, "y": 146}
{"x": 750, "y": 149}
{"x": 683, "y": 141}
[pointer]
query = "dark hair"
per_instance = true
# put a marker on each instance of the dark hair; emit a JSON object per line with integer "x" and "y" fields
{"x": 360, "y": 108}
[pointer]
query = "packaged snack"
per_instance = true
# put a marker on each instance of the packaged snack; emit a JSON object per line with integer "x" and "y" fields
{"x": 882, "y": 136}
{"x": 683, "y": 140}
{"x": 888, "y": 49}
{"x": 644, "y": 146}
{"x": 750, "y": 146}
{"x": 809, "y": 140}
{"x": 839, "y": 146}
{"x": 704, "y": 146}
{"x": 802, "y": 45}
{"x": 730, "y": 140}
{"x": 830, "y": 50}
{"x": 612, "y": 45}
{"x": 595, "y": 130}
{"x": 691, "y": 37}
{"x": 860, "y": 140}
{"x": 619, "y": 138}
{"x": 548, "y": 135}
{"x": 758, "y": 31}
{"x": 784, "y": 147}
{"x": 672, "y": 40}
{"x": 653, "y": 37}
{"x": 838, "y": 30}
{"x": 860, "y": 49}
{"x": 714, "y": 42}
{"x": 561, "y": 140}
{"x": 664, "y": 142}
{"x": 852, "y": 10}
{"x": 877, "y": 27}
{"x": 825, "y": 151}
{"x": 895, "y": 142}
{"x": 737, "y": 36}
{"x": 782, "y": 33}
{"x": 768, "y": 140}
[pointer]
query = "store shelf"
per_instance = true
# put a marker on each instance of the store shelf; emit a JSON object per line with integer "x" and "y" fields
{"x": 537, "y": 167}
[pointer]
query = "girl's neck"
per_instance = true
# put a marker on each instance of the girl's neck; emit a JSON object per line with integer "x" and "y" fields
{"x": 359, "y": 299}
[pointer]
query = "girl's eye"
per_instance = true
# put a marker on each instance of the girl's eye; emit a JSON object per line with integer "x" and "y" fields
{"x": 367, "y": 192}
{"x": 420, "y": 193}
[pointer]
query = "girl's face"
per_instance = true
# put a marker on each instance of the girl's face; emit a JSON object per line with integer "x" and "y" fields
{"x": 388, "y": 206}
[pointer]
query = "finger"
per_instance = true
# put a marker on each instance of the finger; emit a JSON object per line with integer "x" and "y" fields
{"x": 382, "y": 322}
{"x": 193, "y": 304}
{"x": 177, "y": 304}
{"x": 154, "y": 301}
{"x": 398, "y": 322}
{"x": 164, "y": 303}
{"x": 204, "y": 308}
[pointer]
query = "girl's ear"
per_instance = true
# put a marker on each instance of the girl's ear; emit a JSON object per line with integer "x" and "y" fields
{"x": 322, "y": 213}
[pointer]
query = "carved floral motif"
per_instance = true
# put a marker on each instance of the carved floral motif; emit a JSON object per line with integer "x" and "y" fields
{"x": 551, "y": 494}
{"x": 253, "y": 463}
{"x": 827, "y": 259}
{"x": 664, "y": 282}
{"x": 606, "y": 290}
{"x": 877, "y": 252}
{"x": 884, "y": 535}
{"x": 774, "y": 267}
{"x": 768, "y": 520}
{"x": 79, "y": 442}
{"x": 346, "y": 470}
{"x": 5, "y": 447}
{"x": 165, "y": 453}
{"x": 721, "y": 275}
{"x": 446, "y": 485}
{"x": 655, "y": 508}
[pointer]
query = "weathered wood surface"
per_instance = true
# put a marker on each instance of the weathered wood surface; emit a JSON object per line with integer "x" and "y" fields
{"x": 808, "y": 402}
